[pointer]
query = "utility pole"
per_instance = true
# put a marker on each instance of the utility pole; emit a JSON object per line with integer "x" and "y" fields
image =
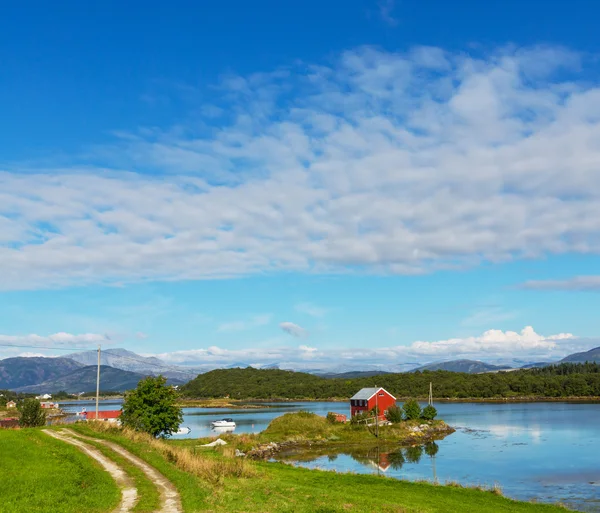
{"x": 430, "y": 394}
{"x": 377, "y": 414}
{"x": 98, "y": 382}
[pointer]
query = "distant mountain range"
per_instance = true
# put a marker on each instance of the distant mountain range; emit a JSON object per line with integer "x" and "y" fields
{"x": 22, "y": 371}
{"x": 468, "y": 366}
{"x": 129, "y": 361}
{"x": 593, "y": 355}
{"x": 122, "y": 369}
{"x": 84, "y": 380}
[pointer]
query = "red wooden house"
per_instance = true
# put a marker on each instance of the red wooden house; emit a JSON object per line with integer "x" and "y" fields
{"x": 106, "y": 415}
{"x": 369, "y": 398}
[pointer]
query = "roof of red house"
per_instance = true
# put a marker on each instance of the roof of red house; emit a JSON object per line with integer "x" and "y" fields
{"x": 367, "y": 393}
{"x": 106, "y": 414}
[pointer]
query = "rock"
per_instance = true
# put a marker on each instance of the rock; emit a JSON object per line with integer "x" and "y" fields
{"x": 218, "y": 441}
{"x": 239, "y": 454}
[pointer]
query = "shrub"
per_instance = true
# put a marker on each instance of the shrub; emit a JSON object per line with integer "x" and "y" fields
{"x": 356, "y": 419}
{"x": 394, "y": 414}
{"x": 412, "y": 410}
{"x": 32, "y": 414}
{"x": 429, "y": 412}
{"x": 151, "y": 408}
{"x": 332, "y": 418}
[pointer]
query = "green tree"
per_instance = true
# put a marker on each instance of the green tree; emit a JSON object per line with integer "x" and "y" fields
{"x": 32, "y": 414}
{"x": 412, "y": 410}
{"x": 429, "y": 412}
{"x": 151, "y": 408}
{"x": 394, "y": 414}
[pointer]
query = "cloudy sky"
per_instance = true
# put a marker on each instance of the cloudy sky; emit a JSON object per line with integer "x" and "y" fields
{"x": 320, "y": 185}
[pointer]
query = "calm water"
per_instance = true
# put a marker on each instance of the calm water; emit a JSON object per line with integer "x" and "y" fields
{"x": 543, "y": 451}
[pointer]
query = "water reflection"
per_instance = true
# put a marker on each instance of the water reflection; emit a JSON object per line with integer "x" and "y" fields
{"x": 380, "y": 458}
{"x": 218, "y": 430}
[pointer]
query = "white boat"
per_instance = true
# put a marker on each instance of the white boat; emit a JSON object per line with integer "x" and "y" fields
{"x": 228, "y": 423}
{"x": 183, "y": 431}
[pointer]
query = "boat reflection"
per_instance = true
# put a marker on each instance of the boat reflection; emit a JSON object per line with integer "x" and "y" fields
{"x": 220, "y": 430}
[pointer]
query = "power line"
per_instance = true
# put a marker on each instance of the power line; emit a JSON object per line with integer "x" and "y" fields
{"x": 61, "y": 348}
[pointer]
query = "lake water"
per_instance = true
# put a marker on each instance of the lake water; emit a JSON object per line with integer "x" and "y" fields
{"x": 544, "y": 451}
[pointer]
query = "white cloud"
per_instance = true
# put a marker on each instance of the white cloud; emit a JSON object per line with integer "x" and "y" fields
{"x": 311, "y": 309}
{"x": 293, "y": 329}
{"x": 13, "y": 345}
{"x": 254, "y": 322}
{"x": 57, "y": 339}
{"x": 495, "y": 343}
{"x": 489, "y": 346}
{"x": 380, "y": 162}
{"x": 583, "y": 283}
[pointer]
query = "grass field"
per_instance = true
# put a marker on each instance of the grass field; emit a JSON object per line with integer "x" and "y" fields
{"x": 41, "y": 474}
{"x": 219, "y": 484}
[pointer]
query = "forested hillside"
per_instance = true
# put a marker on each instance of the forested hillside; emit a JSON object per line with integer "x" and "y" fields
{"x": 566, "y": 380}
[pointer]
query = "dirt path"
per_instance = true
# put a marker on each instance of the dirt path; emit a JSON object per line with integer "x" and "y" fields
{"x": 125, "y": 483}
{"x": 170, "y": 502}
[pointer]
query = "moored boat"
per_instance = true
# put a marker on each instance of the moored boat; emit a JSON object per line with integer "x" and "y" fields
{"x": 223, "y": 423}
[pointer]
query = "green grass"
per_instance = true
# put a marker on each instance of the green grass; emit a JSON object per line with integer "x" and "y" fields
{"x": 41, "y": 474}
{"x": 277, "y": 487}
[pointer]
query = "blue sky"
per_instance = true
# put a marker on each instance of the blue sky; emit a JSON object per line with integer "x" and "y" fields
{"x": 317, "y": 184}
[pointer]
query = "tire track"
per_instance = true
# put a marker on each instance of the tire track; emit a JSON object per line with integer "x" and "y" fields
{"x": 170, "y": 501}
{"x": 128, "y": 490}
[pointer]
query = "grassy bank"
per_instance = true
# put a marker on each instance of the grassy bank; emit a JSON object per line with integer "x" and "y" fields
{"x": 41, "y": 474}
{"x": 214, "y": 480}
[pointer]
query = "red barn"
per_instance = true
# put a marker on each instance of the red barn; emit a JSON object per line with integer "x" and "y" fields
{"x": 106, "y": 415}
{"x": 367, "y": 398}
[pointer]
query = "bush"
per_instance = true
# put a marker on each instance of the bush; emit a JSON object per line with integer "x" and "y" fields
{"x": 394, "y": 414}
{"x": 356, "y": 419}
{"x": 151, "y": 408}
{"x": 412, "y": 410}
{"x": 429, "y": 412}
{"x": 32, "y": 414}
{"x": 332, "y": 418}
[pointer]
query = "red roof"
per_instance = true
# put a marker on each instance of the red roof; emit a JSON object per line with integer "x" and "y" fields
{"x": 106, "y": 414}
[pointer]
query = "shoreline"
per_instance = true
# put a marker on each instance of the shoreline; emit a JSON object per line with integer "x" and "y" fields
{"x": 252, "y": 403}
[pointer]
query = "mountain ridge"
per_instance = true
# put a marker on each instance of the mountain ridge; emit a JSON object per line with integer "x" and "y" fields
{"x": 29, "y": 370}
{"x": 84, "y": 380}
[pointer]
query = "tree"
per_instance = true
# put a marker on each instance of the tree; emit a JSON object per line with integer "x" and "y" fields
{"x": 394, "y": 414}
{"x": 429, "y": 412}
{"x": 151, "y": 408}
{"x": 412, "y": 410}
{"x": 32, "y": 414}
